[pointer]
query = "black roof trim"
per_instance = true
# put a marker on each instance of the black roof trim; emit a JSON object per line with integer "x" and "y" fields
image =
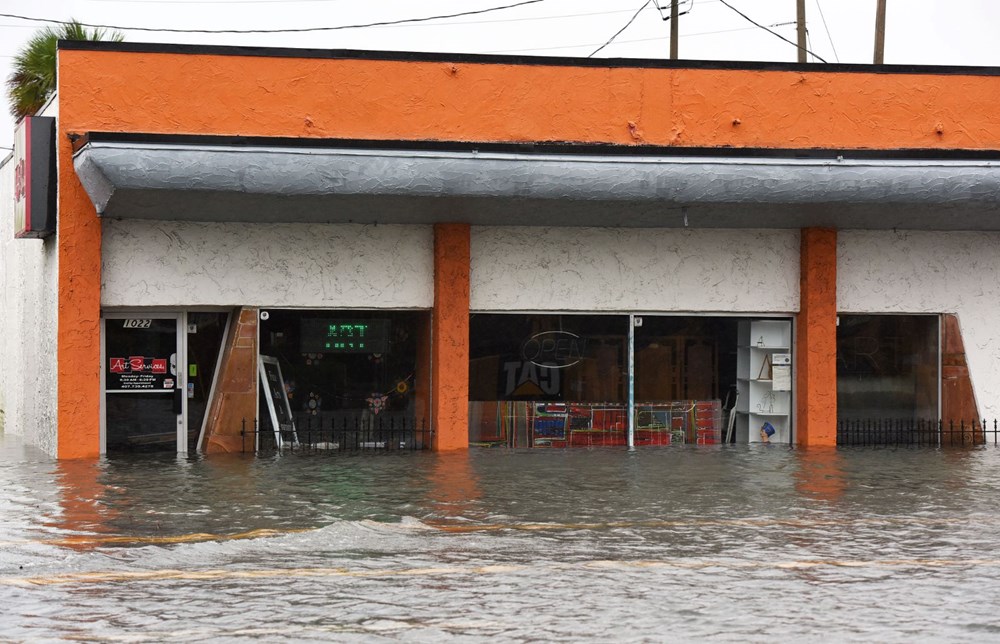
{"x": 488, "y": 59}
{"x": 541, "y": 147}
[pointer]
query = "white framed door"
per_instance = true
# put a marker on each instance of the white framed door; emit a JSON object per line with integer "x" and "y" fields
{"x": 143, "y": 382}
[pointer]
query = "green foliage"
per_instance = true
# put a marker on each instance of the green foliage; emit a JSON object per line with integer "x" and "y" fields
{"x": 34, "y": 77}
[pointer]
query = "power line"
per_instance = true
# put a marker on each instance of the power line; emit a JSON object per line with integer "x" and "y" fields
{"x": 666, "y": 18}
{"x": 449, "y": 24}
{"x": 809, "y": 40}
{"x": 655, "y": 4}
{"x": 631, "y": 20}
{"x": 620, "y": 42}
{"x": 751, "y": 20}
{"x": 521, "y": 19}
{"x": 279, "y": 31}
{"x": 825, "y": 26}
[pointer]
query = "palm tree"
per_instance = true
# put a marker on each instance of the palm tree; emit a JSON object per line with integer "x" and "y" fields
{"x": 34, "y": 77}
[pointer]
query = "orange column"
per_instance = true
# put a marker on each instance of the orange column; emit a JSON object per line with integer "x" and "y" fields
{"x": 450, "y": 338}
{"x": 78, "y": 385}
{"x": 816, "y": 340}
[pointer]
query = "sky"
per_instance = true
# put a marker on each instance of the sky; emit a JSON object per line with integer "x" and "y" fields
{"x": 925, "y": 32}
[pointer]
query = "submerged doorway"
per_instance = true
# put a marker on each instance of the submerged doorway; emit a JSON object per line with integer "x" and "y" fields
{"x": 143, "y": 403}
{"x": 158, "y": 373}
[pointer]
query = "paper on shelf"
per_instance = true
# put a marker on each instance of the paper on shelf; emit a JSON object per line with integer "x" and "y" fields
{"x": 782, "y": 377}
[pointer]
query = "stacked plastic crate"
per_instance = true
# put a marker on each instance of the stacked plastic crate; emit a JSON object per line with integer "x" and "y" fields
{"x": 708, "y": 422}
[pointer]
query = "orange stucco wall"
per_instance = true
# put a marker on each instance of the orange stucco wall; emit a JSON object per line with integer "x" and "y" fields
{"x": 450, "y": 339}
{"x": 248, "y": 95}
{"x": 210, "y": 93}
{"x": 816, "y": 340}
{"x": 79, "y": 308}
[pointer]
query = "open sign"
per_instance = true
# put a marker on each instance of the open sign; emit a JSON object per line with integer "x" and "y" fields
{"x": 554, "y": 349}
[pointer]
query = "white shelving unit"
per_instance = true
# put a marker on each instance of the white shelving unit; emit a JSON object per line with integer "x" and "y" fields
{"x": 762, "y": 345}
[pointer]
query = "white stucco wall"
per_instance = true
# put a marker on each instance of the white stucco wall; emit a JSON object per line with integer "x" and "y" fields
{"x": 931, "y": 272}
{"x": 534, "y": 269}
{"x": 159, "y": 263}
{"x": 634, "y": 270}
{"x": 6, "y": 214}
{"x": 28, "y": 322}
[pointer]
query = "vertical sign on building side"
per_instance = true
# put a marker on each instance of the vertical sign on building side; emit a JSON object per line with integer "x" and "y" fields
{"x": 35, "y": 177}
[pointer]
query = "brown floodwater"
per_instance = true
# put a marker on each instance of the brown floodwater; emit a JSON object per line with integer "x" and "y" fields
{"x": 723, "y": 543}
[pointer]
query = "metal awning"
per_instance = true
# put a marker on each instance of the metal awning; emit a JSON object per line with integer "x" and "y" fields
{"x": 221, "y": 179}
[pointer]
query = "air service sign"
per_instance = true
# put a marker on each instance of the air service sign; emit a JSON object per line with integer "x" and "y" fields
{"x": 139, "y": 372}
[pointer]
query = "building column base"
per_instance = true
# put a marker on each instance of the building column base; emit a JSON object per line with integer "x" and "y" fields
{"x": 450, "y": 338}
{"x": 816, "y": 340}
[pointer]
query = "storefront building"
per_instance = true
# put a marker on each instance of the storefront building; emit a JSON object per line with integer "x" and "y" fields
{"x": 509, "y": 251}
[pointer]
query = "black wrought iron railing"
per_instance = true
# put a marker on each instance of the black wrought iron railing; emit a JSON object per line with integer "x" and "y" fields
{"x": 337, "y": 434}
{"x": 910, "y": 432}
{"x": 401, "y": 433}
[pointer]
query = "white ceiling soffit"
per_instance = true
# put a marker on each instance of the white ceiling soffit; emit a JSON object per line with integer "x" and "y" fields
{"x": 280, "y": 184}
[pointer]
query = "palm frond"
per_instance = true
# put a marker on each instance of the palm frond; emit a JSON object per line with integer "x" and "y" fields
{"x": 33, "y": 80}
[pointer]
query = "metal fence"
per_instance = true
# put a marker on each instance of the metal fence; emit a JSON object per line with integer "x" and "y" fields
{"x": 354, "y": 433}
{"x": 909, "y": 432}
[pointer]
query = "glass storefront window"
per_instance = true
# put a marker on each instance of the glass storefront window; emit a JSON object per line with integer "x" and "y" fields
{"x": 887, "y": 367}
{"x": 554, "y": 380}
{"x": 535, "y": 378}
{"x": 341, "y": 368}
{"x": 684, "y": 358}
{"x": 548, "y": 357}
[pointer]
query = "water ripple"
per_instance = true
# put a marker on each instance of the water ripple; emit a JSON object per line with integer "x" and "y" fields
{"x": 721, "y": 544}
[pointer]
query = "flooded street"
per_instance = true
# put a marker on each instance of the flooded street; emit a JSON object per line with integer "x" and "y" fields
{"x": 758, "y": 543}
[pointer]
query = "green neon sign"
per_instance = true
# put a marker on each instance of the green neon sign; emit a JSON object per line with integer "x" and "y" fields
{"x": 326, "y": 335}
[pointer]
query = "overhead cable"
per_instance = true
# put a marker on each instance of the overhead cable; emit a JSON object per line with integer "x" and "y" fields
{"x": 620, "y": 42}
{"x": 617, "y": 33}
{"x": 827, "y": 27}
{"x": 751, "y": 20}
{"x": 278, "y": 31}
{"x": 456, "y": 23}
{"x": 665, "y": 18}
{"x": 655, "y": 4}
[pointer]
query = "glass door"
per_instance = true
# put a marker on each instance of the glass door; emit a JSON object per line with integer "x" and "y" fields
{"x": 144, "y": 403}
{"x": 206, "y": 333}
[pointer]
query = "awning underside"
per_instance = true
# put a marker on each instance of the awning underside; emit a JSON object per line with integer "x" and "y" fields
{"x": 218, "y": 182}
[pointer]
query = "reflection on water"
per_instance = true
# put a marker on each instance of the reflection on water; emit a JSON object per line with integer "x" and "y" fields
{"x": 757, "y": 543}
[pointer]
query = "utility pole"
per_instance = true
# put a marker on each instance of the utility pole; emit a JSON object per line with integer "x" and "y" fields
{"x": 880, "y": 33}
{"x": 800, "y": 24}
{"x": 673, "y": 29}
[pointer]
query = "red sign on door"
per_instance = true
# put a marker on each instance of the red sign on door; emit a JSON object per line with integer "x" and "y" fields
{"x": 138, "y": 372}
